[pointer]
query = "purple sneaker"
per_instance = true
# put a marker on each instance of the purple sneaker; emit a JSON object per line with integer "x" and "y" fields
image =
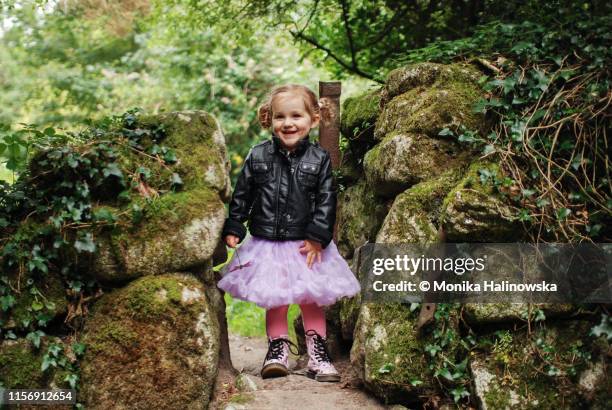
{"x": 320, "y": 367}
{"x": 276, "y": 363}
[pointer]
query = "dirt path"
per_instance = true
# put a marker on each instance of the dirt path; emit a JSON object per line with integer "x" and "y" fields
{"x": 293, "y": 391}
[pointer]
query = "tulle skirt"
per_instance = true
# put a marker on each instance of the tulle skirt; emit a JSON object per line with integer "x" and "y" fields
{"x": 274, "y": 273}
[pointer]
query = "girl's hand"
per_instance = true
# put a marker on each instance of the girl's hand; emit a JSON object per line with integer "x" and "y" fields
{"x": 313, "y": 249}
{"x": 232, "y": 240}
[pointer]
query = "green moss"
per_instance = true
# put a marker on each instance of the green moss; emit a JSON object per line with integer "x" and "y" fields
{"x": 191, "y": 135}
{"x": 498, "y": 398}
{"x": 20, "y": 366}
{"x": 242, "y": 398}
{"x": 152, "y": 297}
{"x": 360, "y": 217}
{"x": 163, "y": 214}
{"x": 426, "y": 98}
{"x": 359, "y": 114}
{"x": 427, "y": 196}
{"x": 427, "y": 74}
{"x": 521, "y": 378}
{"x": 472, "y": 181}
{"x": 111, "y": 335}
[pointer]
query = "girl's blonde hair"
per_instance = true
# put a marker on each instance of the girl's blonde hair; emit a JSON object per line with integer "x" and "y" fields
{"x": 314, "y": 107}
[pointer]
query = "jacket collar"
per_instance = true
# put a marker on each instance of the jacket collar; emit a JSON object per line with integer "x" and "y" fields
{"x": 303, "y": 144}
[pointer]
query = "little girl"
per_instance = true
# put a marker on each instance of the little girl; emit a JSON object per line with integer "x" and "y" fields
{"x": 285, "y": 190}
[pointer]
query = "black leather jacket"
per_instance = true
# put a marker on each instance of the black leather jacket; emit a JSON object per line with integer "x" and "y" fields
{"x": 284, "y": 195}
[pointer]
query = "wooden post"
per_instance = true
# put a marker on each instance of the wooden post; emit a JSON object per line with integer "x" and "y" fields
{"x": 329, "y": 128}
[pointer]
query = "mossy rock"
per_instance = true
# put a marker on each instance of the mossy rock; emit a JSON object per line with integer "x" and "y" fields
{"x": 474, "y": 212}
{"x": 349, "y": 313}
{"x": 359, "y": 217}
{"x": 414, "y": 216}
{"x": 199, "y": 144}
{"x": 51, "y": 301}
{"x": 485, "y": 313}
{"x": 426, "y": 74}
{"x": 150, "y": 343}
{"x": 351, "y": 167}
{"x": 429, "y": 107}
{"x": 519, "y": 372}
{"x": 359, "y": 116}
{"x": 179, "y": 231}
{"x": 20, "y": 365}
{"x": 389, "y": 354}
{"x": 402, "y": 160}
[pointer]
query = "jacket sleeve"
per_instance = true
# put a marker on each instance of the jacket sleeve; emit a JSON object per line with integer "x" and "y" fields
{"x": 321, "y": 228}
{"x": 242, "y": 200}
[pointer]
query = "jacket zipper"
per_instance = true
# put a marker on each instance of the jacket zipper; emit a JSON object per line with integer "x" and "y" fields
{"x": 291, "y": 176}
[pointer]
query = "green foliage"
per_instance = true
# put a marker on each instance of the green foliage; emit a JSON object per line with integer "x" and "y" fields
{"x": 52, "y": 215}
{"x": 548, "y": 106}
{"x": 449, "y": 368}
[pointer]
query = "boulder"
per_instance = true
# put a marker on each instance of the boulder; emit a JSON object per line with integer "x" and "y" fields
{"x": 21, "y": 365}
{"x": 389, "y": 355}
{"x": 50, "y": 300}
{"x": 359, "y": 116}
{"x": 484, "y": 313}
{"x": 426, "y": 75}
{"x": 414, "y": 216}
{"x": 198, "y": 141}
{"x": 179, "y": 230}
{"x": 152, "y": 343}
{"x": 474, "y": 212}
{"x": 404, "y": 159}
{"x": 359, "y": 218}
{"x": 517, "y": 371}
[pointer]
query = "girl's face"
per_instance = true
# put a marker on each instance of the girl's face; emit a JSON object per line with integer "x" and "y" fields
{"x": 290, "y": 120}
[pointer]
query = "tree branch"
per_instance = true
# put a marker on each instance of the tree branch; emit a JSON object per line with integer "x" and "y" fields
{"x": 349, "y": 35}
{"x": 312, "y": 13}
{"x": 392, "y": 23}
{"x": 344, "y": 64}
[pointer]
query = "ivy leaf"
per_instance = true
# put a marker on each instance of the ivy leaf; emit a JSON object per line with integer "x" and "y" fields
{"x": 432, "y": 349}
{"x": 176, "y": 181}
{"x": 112, "y": 169}
{"x": 35, "y": 337}
{"x": 446, "y": 132}
{"x": 7, "y": 302}
{"x": 386, "y": 368}
{"x": 170, "y": 157}
{"x": 47, "y": 362}
{"x": 104, "y": 214}
{"x": 459, "y": 393}
{"x": 604, "y": 327}
{"x": 79, "y": 348}
{"x": 145, "y": 172}
{"x": 563, "y": 213}
{"x": 36, "y": 305}
{"x": 489, "y": 148}
{"x": 72, "y": 380}
{"x": 444, "y": 372}
{"x": 85, "y": 244}
{"x": 137, "y": 213}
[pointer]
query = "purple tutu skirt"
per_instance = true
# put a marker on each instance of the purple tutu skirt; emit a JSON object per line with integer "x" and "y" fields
{"x": 274, "y": 273}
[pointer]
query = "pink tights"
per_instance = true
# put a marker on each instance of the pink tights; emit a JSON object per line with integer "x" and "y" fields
{"x": 313, "y": 317}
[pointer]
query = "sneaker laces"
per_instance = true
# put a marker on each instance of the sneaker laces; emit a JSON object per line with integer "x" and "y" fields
{"x": 320, "y": 348}
{"x": 275, "y": 348}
